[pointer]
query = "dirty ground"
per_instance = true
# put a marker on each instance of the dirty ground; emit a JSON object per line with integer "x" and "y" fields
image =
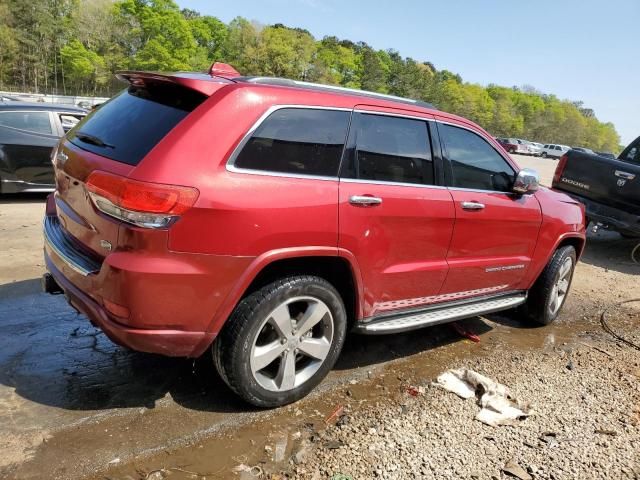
{"x": 72, "y": 405}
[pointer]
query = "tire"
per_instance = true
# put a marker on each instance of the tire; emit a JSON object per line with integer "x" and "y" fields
{"x": 265, "y": 321}
{"x": 540, "y": 307}
{"x": 543, "y": 154}
{"x": 512, "y": 150}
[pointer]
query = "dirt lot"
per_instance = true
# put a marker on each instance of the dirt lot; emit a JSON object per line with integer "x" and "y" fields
{"x": 72, "y": 405}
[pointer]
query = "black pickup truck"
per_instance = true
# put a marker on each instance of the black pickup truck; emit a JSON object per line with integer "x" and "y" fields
{"x": 608, "y": 187}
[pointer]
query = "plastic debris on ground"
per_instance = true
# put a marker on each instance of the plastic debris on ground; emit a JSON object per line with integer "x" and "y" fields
{"x": 498, "y": 406}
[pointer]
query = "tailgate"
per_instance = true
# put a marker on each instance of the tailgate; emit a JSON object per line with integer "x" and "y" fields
{"x": 115, "y": 138}
{"x": 604, "y": 180}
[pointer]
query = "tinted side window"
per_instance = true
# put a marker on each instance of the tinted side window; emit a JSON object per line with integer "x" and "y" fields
{"x": 36, "y": 122}
{"x": 297, "y": 140}
{"x": 389, "y": 149}
{"x": 474, "y": 163}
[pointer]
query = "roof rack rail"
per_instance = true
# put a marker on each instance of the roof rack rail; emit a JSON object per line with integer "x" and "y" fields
{"x": 287, "y": 82}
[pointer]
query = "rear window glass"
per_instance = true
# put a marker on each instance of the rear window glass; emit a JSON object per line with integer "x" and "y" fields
{"x": 129, "y": 125}
{"x": 298, "y": 141}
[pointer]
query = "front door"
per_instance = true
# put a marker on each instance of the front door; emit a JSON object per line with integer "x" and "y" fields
{"x": 392, "y": 216}
{"x": 495, "y": 231}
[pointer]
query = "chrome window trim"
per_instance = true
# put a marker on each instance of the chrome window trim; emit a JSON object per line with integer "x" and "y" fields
{"x": 230, "y": 165}
{"x": 401, "y": 115}
{"x": 393, "y": 184}
{"x": 506, "y": 159}
{"x": 268, "y": 173}
{"x": 479, "y": 190}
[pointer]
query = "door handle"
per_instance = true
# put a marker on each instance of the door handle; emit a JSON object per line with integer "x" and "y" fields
{"x": 472, "y": 205}
{"x": 364, "y": 200}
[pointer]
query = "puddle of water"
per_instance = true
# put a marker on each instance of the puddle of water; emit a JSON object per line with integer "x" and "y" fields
{"x": 278, "y": 436}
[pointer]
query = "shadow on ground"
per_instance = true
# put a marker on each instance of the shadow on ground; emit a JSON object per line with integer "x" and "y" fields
{"x": 51, "y": 355}
{"x": 609, "y": 250}
{"x": 10, "y": 198}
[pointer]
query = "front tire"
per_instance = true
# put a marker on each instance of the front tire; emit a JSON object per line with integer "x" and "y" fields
{"x": 543, "y": 154}
{"x": 548, "y": 294}
{"x": 281, "y": 340}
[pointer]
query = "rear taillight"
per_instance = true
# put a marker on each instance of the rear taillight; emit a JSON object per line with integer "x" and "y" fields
{"x": 560, "y": 168}
{"x": 145, "y": 204}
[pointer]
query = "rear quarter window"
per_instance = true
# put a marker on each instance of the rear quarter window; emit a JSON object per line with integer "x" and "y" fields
{"x": 301, "y": 141}
{"x": 129, "y": 125}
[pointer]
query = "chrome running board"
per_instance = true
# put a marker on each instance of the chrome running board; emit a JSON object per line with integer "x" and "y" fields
{"x": 439, "y": 314}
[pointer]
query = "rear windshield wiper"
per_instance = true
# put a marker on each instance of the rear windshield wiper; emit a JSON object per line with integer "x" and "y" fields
{"x": 93, "y": 140}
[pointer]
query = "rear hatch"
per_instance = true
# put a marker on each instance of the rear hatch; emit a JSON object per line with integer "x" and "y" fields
{"x": 603, "y": 180}
{"x": 114, "y": 139}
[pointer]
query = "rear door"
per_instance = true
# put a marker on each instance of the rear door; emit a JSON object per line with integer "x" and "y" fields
{"x": 614, "y": 182}
{"x": 26, "y": 140}
{"x": 495, "y": 231}
{"x": 393, "y": 216}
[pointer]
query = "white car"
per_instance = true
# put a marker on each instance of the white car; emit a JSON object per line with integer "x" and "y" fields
{"x": 533, "y": 148}
{"x": 554, "y": 151}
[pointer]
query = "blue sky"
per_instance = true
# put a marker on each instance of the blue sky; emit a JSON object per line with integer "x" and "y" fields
{"x": 579, "y": 50}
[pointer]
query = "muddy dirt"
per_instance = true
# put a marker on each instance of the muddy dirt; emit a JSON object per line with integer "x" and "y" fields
{"x": 72, "y": 405}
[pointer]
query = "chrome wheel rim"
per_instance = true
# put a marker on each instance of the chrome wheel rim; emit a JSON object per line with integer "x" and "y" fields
{"x": 561, "y": 287}
{"x": 292, "y": 343}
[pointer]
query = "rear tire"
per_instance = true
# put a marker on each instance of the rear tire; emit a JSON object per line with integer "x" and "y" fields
{"x": 281, "y": 340}
{"x": 543, "y": 154}
{"x": 548, "y": 294}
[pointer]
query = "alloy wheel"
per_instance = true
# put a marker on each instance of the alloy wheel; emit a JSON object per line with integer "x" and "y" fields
{"x": 292, "y": 343}
{"x": 561, "y": 287}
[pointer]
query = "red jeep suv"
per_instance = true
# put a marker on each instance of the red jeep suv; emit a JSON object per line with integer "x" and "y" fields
{"x": 263, "y": 218}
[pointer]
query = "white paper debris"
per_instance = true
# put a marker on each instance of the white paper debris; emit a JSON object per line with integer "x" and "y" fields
{"x": 499, "y": 407}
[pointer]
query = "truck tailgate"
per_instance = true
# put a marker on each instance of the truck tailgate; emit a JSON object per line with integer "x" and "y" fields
{"x": 604, "y": 180}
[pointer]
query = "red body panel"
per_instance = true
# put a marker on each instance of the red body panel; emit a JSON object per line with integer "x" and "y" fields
{"x": 499, "y": 258}
{"x": 180, "y": 284}
{"x": 400, "y": 245}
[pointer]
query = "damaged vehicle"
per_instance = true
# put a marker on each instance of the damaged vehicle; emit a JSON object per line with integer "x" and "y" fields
{"x": 258, "y": 220}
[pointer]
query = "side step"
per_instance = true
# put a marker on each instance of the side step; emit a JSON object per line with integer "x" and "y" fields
{"x": 439, "y": 314}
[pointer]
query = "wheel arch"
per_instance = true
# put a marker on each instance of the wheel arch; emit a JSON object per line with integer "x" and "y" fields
{"x": 574, "y": 241}
{"x": 336, "y": 266}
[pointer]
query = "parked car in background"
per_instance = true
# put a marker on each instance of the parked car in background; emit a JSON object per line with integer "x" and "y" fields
{"x": 606, "y": 154}
{"x": 316, "y": 210}
{"x": 513, "y": 145}
{"x": 28, "y": 132}
{"x": 584, "y": 150}
{"x": 533, "y": 148}
{"x": 552, "y": 150}
{"x": 609, "y": 188}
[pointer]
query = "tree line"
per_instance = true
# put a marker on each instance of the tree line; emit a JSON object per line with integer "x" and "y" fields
{"x": 73, "y": 47}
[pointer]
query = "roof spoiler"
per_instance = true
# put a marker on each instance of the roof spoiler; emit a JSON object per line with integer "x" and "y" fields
{"x": 224, "y": 70}
{"x": 200, "y": 82}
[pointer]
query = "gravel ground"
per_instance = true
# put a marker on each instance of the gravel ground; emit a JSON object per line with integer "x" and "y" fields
{"x": 586, "y": 425}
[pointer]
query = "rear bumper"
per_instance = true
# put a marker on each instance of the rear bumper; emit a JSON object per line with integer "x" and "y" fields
{"x": 174, "y": 343}
{"x": 171, "y": 301}
{"x": 614, "y": 218}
